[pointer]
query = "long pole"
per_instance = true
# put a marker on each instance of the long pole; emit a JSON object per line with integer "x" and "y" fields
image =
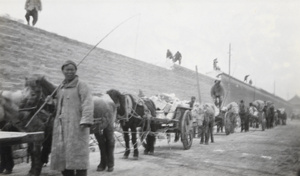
{"x": 229, "y": 78}
{"x": 229, "y": 81}
{"x": 254, "y": 89}
{"x": 198, "y": 84}
{"x": 274, "y": 87}
{"x": 229, "y": 59}
{"x": 79, "y": 64}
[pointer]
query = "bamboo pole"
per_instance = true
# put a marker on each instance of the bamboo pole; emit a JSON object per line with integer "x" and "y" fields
{"x": 198, "y": 85}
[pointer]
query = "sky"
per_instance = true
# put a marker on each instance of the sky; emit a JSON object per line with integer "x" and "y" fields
{"x": 264, "y": 35}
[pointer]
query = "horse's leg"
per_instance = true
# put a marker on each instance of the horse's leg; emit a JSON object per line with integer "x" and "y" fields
{"x": 46, "y": 149}
{"x": 272, "y": 121}
{"x": 36, "y": 164}
{"x": 206, "y": 131}
{"x": 247, "y": 123}
{"x": 222, "y": 124}
{"x": 199, "y": 131}
{"x": 103, "y": 150}
{"x": 151, "y": 139}
{"x": 134, "y": 142}
{"x": 110, "y": 146}
{"x": 194, "y": 131}
{"x": 202, "y": 134}
{"x": 7, "y": 161}
{"x": 30, "y": 151}
{"x": 211, "y": 128}
{"x": 268, "y": 121}
{"x": 126, "y": 139}
{"x": 145, "y": 136}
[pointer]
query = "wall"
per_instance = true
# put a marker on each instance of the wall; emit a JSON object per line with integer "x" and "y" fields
{"x": 25, "y": 50}
{"x": 237, "y": 90}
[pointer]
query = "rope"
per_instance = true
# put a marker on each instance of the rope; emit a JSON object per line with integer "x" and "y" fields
{"x": 133, "y": 144}
{"x": 80, "y": 63}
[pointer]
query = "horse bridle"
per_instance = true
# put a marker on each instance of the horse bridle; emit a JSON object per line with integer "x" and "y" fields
{"x": 34, "y": 107}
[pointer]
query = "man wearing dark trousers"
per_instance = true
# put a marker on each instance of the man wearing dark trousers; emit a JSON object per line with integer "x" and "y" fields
{"x": 32, "y": 7}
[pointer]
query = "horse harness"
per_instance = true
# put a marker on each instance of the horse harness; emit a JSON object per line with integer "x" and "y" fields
{"x": 132, "y": 110}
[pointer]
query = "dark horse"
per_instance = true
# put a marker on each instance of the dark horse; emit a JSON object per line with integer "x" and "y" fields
{"x": 104, "y": 116}
{"x": 19, "y": 113}
{"x": 135, "y": 112}
{"x": 270, "y": 113}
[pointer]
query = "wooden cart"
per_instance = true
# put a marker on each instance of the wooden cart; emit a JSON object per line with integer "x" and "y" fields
{"x": 181, "y": 124}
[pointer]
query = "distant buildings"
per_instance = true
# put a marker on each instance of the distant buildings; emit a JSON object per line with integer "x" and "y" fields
{"x": 295, "y": 102}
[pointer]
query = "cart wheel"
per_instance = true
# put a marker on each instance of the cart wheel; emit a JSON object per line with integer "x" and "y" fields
{"x": 186, "y": 128}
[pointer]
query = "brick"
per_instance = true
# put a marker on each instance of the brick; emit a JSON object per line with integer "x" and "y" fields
{"x": 25, "y": 50}
{"x": 20, "y": 153}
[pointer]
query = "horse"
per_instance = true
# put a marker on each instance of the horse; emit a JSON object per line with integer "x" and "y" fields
{"x": 261, "y": 108}
{"x": 208, "y": 123}
{"x": 197, "y": 119}
{"x": 282, "y": 116}
{"x": 253, "y": 116}
{"x": 135, "y": 112}
{"x": 205, "y": 119}
{"x": 269, "y": 114}
{"x": 231, "y": 117}
{"x": 19, "y": 106}
{"x": 104, "y": 117}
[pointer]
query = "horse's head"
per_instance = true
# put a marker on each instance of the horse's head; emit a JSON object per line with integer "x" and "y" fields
{"x": 34, "y": 87}
{"x": 119, "y": 100}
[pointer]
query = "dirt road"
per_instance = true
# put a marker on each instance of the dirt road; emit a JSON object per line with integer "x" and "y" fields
{"x": 272, "y": 152}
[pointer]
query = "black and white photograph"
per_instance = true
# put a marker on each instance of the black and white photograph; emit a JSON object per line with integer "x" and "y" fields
{"x": 149, "y": 87}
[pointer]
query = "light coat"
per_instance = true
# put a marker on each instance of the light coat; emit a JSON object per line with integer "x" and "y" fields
{"x": 33, "y": 4}
{"x": 70, "y": 144}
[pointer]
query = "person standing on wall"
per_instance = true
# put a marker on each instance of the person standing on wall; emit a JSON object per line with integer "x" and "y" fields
{"x": 32, "y": 7}
{"x": 75, "y": 108}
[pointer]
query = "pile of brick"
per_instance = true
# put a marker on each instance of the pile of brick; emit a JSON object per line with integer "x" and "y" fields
{"x": 20, "y": 153}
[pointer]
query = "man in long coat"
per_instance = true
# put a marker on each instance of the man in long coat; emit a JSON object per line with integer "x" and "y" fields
{"x": 217, "y": 93}
{"x": 70, "y": 145}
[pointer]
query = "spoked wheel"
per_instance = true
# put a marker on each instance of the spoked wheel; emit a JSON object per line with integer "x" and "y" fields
{"x": 186, "y": 127}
